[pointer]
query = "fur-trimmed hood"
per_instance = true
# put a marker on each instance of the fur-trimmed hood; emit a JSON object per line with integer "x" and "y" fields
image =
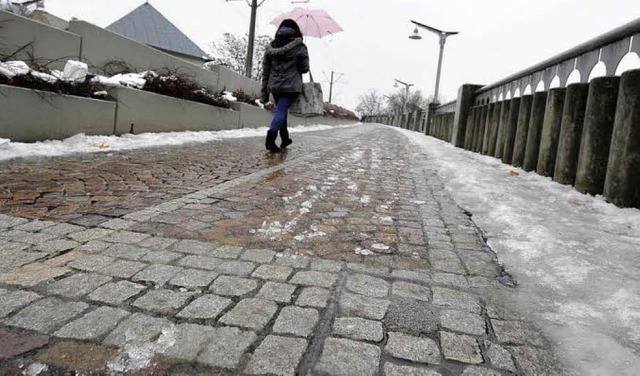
{"x": 289, "y": 48}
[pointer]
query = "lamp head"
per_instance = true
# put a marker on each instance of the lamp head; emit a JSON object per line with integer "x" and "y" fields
{"x": 415, "y": 35}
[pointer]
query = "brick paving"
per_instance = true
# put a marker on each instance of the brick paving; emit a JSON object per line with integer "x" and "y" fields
{"x": 342, "y": 257}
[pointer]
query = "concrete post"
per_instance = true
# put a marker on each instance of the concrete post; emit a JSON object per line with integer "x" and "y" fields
{"x": 431, "y": 110}
{"x": 487, "y": 128}
{"x": 622, "y": 185}
{"x": 510, "y": 130}
{"x": 522, "y": 130}
{"x": 551, "y": 132}
{"x": 596, "y": 135}
{"x": 502, "y": 128}
{"x": 458, "y": 129}
{"x": 495, "y": 123}
{"x": 479, "y": 133}
{"x": 575, "y": 106}
{"x": 468, "y": 134}
{"x": 532, "y": 151}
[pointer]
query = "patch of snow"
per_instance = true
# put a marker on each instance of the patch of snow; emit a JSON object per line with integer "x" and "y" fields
{"x": 100, "y": 94}
{"x": 14, "y": 68}
{"x": 4, "y": 142}
{"x": 34, "y": 369}
{"x": 45, "y": 77}
{"x": 380, "y": 247}
{"x": 75, "y": 71}
{"x": 363, "y": 252}
{"x": 229, "y": 96}
{"x": 365, "y": 199}
{"x": 136, "y": 356}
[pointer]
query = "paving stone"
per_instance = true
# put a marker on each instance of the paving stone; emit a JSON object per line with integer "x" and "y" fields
{"x": 233, "y": 286}
{"x": 327, "y": 265}
{"x": 391, "y": 369}
{"x": 32, "y": 274}
{"x": 226, "y": 252}
{"x": 294, "y": 261}
{"x": 343, "y": 357}
{"x": 157, "y": 274}
{"x": 201, "y": 262}
{"x": 205, "y": 307}
{"x": 94, "y": 324}
{"x": 370, "y": 269}
{"x": 460, "y": 321}
{"x": 479, "y": 371}
{"x": 273, "y": 272}
{"x": 369, "y": 286}
{"x": 125, "y": 237}
{"x": 411, "y": 275}
{"x": 116, "y": 293}
{"x": 358, "y": 329}
{"x": 193, "y": 278}
{"x": 262, "y": 256}
{"x": 65, "y": 258}
{"x": 411, "y": 291}
{"x": 34, "y": 226}
{"x": 499, "y": 356}
{"x": 278, "y": 292}
{"x": 195, "y": 247}
{"x": 92, "y": 263}
{"x": 163, "y": 301}
{"x": 83, "y": 358}
{"x": 62, "y": 229}
{"x": 227, "y": 348}
{"x": 77, "y": 285}
{"x": 16, "y": 258}
{"x": 314, "y": 278}
{"x": 161, "y": 257}
{"x": 157, "y": 243}
{"x": 14, "y": 344}
{"x": 277, "y": 356}
{"x": 190, "y": 339}
{"x": 46, "y": 315}
{"x": 13, "y": 300}
{"x": 236, "y": 268}
{"x": 33, "y": 238}
{"x": 362, "y": 306}
{"x": 126, "y": 251}
{"x": 415, "y": 349}
{"x": 90, "y": 234}
{"x": 455, "y": 280}
{"x": 123, "y": 268}
{"x": 516, "y": 333}
{"x": 296, "y": 321}
{"x": 532, "y": 361}
{"x": 8, "y": 221}
{"x": 118, "y": 224}
{"x": 137, "y": 328}
{"x": 461, "y": 348}
{"x": 456, "y": 300}
{"x": 313, "y": 297}
{"x": 250, "y": 313}
{"x": 94, "y": 246}
{"x": 56, "y": 246}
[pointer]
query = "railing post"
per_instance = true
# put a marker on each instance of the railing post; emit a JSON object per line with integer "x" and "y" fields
{"x": 502, "y": 127}
{"x": 510, "y": 130}
{"x": 575, "y": 107}
{"x": 466, "y": 96}
{"x": 522, "y": 130}
{"x": 487, "y": 128}
{"x": 495, "y": 123}
{"x": 551, "y": 132}
{"x": 532, "y": 150}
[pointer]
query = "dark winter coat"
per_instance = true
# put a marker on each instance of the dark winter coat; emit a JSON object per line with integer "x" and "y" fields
{"x": 282, "y": 67}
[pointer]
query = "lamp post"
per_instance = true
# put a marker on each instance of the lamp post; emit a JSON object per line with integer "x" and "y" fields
{"x": 443, "y": 38}
{"x": 406, "y": 94}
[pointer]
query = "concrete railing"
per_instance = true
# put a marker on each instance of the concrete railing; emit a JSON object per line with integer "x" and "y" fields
{"x": 586, "y": 134}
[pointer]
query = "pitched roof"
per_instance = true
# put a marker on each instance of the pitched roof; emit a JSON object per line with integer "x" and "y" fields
{"x": 147, "y": 25}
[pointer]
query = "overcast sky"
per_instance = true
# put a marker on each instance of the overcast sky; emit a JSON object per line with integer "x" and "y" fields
{"x": 497, "y": 37}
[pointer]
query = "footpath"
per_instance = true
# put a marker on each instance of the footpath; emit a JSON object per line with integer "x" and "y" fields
{"x": 341, "y": 256}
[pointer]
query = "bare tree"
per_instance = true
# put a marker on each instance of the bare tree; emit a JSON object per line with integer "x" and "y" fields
{"x": 231, "y": 52}
{"x": 415, "y": 101}
{"x": 370, "y": 103}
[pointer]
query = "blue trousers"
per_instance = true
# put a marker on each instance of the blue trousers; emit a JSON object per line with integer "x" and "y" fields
{"x": 283, "y": 102}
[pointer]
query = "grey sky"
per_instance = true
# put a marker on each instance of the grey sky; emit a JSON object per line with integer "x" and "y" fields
{"x": 497, "y": 37}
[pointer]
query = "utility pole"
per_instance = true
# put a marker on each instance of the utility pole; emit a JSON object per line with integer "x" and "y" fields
{"x": 406, "y": 94}
{"x": 252, "y": 35}
{"x": 333, "y": 81}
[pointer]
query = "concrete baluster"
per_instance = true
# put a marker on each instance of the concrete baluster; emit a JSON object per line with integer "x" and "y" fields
{"x": 534, "y": 133}
{"x": 575, "y": 106}
{"x": 510, "y": 130}
{"x": 596, "y": 135}
{"x": 551, "y": 132}
{"x": 502, "y": 127}
{"x": 622, "y": 185}
{"x": 479, "y": 133}
{"x": 487, "y": 128}
{"x": 522, "y": 130}
{"x": 495, "y": 123}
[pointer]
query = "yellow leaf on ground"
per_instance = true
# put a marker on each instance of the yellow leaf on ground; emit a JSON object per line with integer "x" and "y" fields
{"x": 100, "y": 146}
{"x": 513, "y": 173}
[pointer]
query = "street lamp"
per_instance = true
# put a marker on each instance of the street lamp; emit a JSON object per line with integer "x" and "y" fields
{"x": 443, "y": 38}
{"x": 406, "y": 94}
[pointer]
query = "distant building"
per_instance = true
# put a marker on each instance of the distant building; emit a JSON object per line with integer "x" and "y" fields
{"x": 147, "y": 25}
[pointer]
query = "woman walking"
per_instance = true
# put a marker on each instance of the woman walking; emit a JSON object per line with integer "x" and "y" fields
{"x": 285, "y": 60}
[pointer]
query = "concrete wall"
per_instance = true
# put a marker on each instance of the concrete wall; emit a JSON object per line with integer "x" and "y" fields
{"x": 29, "y": 115}
{"x": 143, "y": 111}
{"x": 48, "y": 43}
{"x": 100, "y": 47}
{"x": 230, "y": 81}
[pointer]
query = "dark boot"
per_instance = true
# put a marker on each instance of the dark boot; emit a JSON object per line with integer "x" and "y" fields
{"x": 284, "y": 135}
{"x": 270, "y": 144}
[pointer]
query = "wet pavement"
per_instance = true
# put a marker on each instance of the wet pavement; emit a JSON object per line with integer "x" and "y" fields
{"x": 340, "y": 257}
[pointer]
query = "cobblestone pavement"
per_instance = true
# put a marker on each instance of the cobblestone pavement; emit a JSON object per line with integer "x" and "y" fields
{"x": 341, "y": 257}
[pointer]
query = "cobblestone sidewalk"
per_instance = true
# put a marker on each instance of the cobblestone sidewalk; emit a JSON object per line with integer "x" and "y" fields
{"x": 342, "y": 257}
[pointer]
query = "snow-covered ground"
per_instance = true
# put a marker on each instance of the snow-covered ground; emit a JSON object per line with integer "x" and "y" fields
{"x": 576, "y": 257}
{"x": 81, "y": 143}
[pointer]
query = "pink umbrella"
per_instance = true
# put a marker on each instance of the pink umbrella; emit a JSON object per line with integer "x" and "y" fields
{"x": 313, "y": 23}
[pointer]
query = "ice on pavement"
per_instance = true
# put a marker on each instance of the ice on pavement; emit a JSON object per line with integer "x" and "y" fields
{"x": 576, "y": 257}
